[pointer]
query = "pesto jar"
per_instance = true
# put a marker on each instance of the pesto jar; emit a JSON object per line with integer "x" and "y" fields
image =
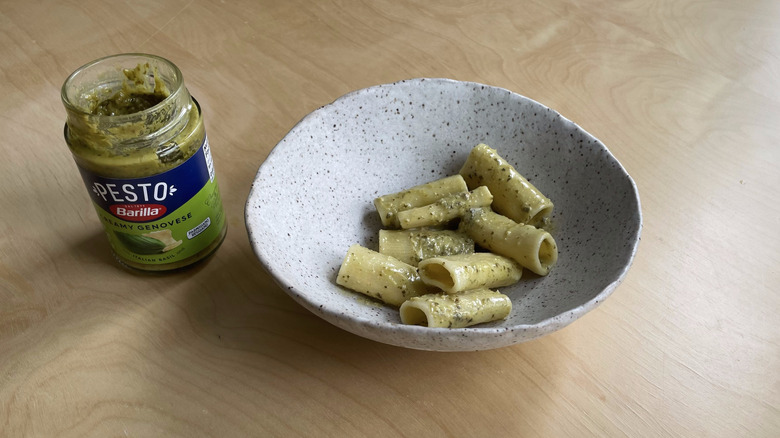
{"x": 139, "y": 141}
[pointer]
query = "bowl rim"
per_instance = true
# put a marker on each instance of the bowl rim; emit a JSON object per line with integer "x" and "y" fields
{"x": 538, "y": 329}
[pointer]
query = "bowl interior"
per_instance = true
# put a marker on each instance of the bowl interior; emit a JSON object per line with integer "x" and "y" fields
{"x": 312, "y": 198}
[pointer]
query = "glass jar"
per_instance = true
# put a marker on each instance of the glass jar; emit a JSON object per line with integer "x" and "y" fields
{"x": 139, "y": 141}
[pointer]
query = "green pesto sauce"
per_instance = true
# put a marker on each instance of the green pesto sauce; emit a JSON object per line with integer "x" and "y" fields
{"x": 127, "y": 102}
{"x": 428, "y": 243}
{"x": 136, "y": 94}
{"x": 109, "y": 150}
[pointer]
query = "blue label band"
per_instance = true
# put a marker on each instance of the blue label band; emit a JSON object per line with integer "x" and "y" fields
{"x": 151, "y": 198}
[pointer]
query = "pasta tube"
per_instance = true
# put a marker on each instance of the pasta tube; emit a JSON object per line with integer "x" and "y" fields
{"x": 515, "y": 197}
{"x": 458, "y": 310}
{"x": 531, "y": 247}
{"x": 457, "y": 273}
{"x": 380, "y": 276}
{"x": 445, "y": 209}
{"x": 389, "y": 205}
{"x": 411, "y": 246}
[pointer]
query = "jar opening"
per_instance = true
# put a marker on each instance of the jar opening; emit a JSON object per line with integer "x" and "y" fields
{"x": 121, "y": 86}
{"x": 124, "y": 102}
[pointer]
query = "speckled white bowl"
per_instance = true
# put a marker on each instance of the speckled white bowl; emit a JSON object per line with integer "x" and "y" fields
{"x": 312, "y": 199}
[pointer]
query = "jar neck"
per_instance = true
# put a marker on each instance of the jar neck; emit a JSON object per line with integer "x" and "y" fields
{"x": 130, "y": 128}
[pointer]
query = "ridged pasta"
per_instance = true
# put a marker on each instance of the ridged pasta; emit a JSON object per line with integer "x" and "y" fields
{"x": 380, "y": 276}
{"x": 457, "y": 273}
{"x": 388, "y": 206}
{"x": 411, "y": 246}
{"x": 462, "y": 309}
{"x": 445, "y": 209}
{"x": 513, "y": 195}
{"x": 531, "y": 247}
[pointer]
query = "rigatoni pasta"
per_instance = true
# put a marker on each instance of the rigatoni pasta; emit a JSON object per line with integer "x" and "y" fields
{"x": 513, "y": 195}
{"x": 531, "y": 247}
{"x": 444, "y": 209}
{"x": 458, "y": 273}
{"x": 458, "y": 310}
{"x": 440, "y": 276}
{"x": 388, "y": 206}
{"x": 411, "y": 246}
{"x": 380, "y": 276}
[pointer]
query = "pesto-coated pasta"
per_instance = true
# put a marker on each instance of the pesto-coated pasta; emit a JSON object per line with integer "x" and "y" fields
{"x": 388, "y": 206}
{"x": 445, "y": 209}
{"x": 513, "y": 195}
{"x": 531, "y": 247}
{"x": 432, "y": 272}
{"x": 411, "y": 246}
{"x": 457, "y": 273}
{"x": 380, "y": 276}
{"x": 458, "y": 310}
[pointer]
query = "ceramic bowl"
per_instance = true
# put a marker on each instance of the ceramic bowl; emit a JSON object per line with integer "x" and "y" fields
{"x": 312, "y": 199}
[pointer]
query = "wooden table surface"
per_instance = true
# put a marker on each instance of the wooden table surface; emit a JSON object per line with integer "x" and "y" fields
{"x": 684, "y": 92}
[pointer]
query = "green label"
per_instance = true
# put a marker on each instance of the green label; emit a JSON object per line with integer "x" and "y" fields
{"x": 163, "y": 218}
{"x": 178, "y": 236}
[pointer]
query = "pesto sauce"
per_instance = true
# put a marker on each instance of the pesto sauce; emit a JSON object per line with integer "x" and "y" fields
{"x": 111, "y": 151}
{"x": 428, "y": 243}
{"x": 142, "y": 89}
{"x": 127, "y": 102}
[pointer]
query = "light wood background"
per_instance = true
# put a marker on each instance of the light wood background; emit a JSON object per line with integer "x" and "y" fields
{"x": 685, "y": 93}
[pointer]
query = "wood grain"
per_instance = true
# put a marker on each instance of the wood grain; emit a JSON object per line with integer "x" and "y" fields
{"x": 683, "y": 92}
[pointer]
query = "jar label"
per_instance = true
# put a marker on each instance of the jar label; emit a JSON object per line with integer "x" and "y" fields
{"x": 163, "y": 218}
